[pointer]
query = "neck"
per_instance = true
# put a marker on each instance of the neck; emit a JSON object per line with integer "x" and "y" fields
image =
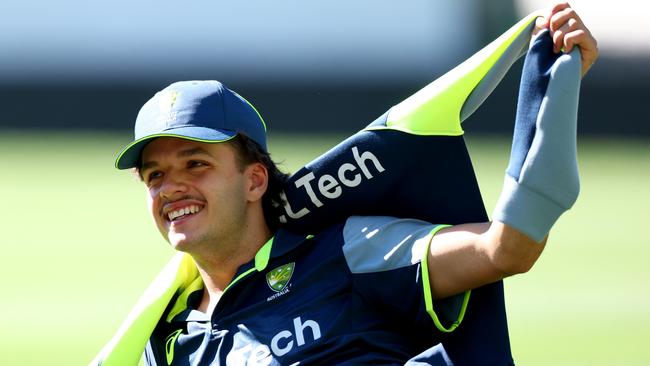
{"x": 218, "y": 267}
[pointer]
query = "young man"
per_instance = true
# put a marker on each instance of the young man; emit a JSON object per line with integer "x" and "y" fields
{"x": 370, "y": 290}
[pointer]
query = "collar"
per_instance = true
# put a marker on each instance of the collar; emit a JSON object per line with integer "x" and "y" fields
{"x": 285, "y": 241}
{"x": 282, "y": 243}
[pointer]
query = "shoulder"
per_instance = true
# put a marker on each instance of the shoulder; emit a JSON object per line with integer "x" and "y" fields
{"x": 373, "y": 228}
{"x": 373, "y": 243}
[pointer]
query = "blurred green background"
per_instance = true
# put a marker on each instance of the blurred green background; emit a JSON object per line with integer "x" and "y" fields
{"x": 78, "y": 247}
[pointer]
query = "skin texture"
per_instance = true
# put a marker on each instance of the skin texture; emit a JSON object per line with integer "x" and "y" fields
{"x": 471, "y": 255}
{"x": 229, "y": 228}
{"x": 568, "y": 31}
{"x": 467, "y": 256}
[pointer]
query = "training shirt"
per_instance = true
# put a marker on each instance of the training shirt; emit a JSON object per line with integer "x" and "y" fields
{"x": 356, "y": 293}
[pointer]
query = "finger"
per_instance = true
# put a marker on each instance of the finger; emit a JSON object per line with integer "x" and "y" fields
{"x": 559, "y": 19}
{"x": 562, "y": 22}
{"x": 587, "y": 44}
{"x": 541, "y": 24}
{"x": 560, "y": 34}
{"x": 559, "y": 37}
{"x": 557, "y": 8}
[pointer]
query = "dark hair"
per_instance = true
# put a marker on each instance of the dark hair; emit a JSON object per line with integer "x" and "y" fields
{"x": 248, "y": 152}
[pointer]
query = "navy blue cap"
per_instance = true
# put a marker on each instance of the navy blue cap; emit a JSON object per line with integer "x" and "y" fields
{"x": 205, "y": 111}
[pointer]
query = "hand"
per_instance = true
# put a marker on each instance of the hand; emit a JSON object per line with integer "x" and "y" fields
{"x": 568, "y": 30}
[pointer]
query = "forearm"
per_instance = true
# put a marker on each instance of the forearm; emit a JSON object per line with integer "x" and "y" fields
{"x": 467, "y": 256}
{"x": 542, "y": 178}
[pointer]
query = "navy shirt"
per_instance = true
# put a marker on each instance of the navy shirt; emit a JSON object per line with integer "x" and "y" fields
{"x": 356, "y": 293}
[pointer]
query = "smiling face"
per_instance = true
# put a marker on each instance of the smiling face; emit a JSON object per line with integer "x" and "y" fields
{"x": 198, "y": 195}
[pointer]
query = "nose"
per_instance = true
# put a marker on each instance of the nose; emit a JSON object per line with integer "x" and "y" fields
{"x": 172, "y": 186}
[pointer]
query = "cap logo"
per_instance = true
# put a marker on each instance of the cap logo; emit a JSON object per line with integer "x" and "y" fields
{"x": 278, "y": 278}
{"x": 166, "y": 102}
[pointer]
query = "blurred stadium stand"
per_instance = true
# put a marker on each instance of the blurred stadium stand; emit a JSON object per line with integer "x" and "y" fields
{"x": 333, "y": 66}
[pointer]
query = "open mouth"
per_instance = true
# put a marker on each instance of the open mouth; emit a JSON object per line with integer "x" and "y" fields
{"x": 183, "y": 212}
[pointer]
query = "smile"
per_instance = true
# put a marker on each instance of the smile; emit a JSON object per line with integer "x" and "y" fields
{"x": 181, "y": 212}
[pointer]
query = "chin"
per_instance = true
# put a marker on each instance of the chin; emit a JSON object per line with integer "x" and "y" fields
{"x": 179, "y": 242}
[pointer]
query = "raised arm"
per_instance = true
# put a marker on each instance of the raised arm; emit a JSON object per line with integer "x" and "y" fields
{"x": 542, "y": 177}
{"x": 467, "y": 256}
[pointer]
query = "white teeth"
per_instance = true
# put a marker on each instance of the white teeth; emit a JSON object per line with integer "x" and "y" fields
{"x": 183, "y": 211}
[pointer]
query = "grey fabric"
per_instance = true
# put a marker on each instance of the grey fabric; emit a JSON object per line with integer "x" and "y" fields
{"x": 382, "y": 243}
{"x": 549, "y": 182}
{"x": 496, "y": 73}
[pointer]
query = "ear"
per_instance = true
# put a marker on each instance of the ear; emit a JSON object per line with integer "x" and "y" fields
{"x": 257, "y": 179}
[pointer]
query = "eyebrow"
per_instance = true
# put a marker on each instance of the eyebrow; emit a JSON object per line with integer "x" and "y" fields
{"x": 181, "y": 154}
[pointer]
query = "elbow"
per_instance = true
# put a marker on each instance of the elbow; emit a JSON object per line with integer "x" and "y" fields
{"x": 511, "y": 252}
{"x": 509, "y": 265}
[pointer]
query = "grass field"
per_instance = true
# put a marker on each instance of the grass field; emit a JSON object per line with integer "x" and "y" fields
{"x": 78, "y": 247}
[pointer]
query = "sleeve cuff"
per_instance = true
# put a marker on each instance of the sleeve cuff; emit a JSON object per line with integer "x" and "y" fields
{"x": 447, "y": 314}
{"x": 526, "y": 210}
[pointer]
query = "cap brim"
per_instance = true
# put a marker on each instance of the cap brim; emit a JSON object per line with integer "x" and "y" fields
{"x": 130, "y": 156}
